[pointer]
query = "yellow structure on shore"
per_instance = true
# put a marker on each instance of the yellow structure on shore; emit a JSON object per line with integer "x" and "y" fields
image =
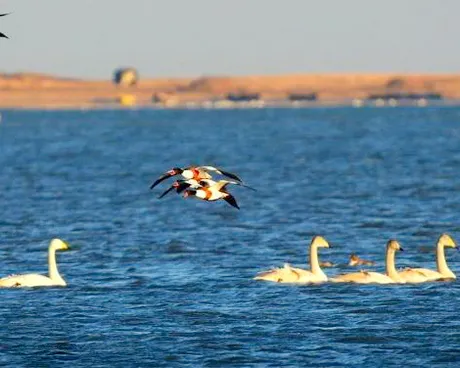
{"x": 127, "y": 99}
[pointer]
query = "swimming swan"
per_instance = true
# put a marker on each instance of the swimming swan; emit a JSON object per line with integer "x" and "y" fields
{"x": 33, "y": 279}
{"x": 299, "y": 275}
{"x": 424, "y": 274}
{"x": 365, "y": 277}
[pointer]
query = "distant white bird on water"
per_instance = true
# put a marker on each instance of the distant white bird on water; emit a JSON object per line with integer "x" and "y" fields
{"x": 34, "y": 279}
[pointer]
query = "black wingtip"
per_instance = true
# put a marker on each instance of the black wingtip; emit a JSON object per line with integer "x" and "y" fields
{"x": 3, "y": 35}
{"x": 231, "y": 201}
{"x": 247, "y": 186}
{"x": 230, "y": 175}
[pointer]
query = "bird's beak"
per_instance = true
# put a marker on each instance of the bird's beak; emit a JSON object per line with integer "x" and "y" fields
{"x": 401, "y": 249}
{"x": 166, "y": 192}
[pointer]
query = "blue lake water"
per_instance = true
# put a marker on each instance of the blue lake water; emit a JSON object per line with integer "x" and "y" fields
{"x": 168, "y": 283}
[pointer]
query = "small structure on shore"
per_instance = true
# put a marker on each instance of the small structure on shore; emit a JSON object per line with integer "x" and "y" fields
{"x": 301, "y": 97}
{"x": 243, "y": 97}
{"x": 401, "y": 98}
{"x": 125, "y": 77}
{"x": 405, "y": 96}
{"x": 399, "y": 90}
{"x": 164, "y": 99}
{"x": 127, "y": 99}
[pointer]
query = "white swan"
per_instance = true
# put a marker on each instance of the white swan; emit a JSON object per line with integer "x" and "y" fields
{"x": 365, "y": 277}
{"x": 416, "y": 275}
{"x": 33, "y": 279}
{"x": 299, "y": 275}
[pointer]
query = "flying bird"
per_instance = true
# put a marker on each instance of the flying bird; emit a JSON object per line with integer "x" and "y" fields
{"x": 214, "y": 192}
{"x": 194, "y": 172}
{"x": 181, "y": 185}
{"x": 2, "y": 34}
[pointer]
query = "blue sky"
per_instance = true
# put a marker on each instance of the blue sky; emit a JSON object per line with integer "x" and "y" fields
{"x": 90, "y": 38}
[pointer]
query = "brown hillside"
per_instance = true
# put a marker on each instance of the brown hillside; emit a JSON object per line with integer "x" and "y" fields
{"x": 38, "y": 90}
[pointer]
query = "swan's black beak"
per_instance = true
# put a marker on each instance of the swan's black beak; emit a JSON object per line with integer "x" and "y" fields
{"x": 401, "y": 249}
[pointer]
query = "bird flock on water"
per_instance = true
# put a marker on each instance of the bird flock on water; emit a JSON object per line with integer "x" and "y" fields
{"x": 197, "y": 182}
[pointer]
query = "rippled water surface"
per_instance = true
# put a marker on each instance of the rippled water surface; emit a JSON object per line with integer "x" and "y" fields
{"x": 168, "y": 283}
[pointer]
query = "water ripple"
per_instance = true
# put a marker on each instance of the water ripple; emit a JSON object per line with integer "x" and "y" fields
{"x": 169, "y": 282}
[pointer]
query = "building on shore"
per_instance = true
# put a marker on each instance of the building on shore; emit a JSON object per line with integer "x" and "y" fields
{"x": 243, "y": 97}
{"x": 301, "y": 97}
{"x": 125, "y": 77}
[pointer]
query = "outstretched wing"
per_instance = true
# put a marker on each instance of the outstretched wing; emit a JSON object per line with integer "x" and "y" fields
{"x": 219, "y": 171}
{"x": 231, "y": 201}
{"x": 163, "y": 177}
{"x": 285, "y": 274}
{"x": 244, "y": 185}
{"x": 206, "y": 183}
{"x": 221, "y": 184}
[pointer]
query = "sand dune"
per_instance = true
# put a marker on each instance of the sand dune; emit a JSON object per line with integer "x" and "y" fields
{"x": 31, "y": 90}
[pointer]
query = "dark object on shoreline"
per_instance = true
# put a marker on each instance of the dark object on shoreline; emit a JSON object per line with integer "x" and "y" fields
{"x": 125, "y": 77}
{"x": 303, "y": 96}
{"x": 243, "y": 97}
{"x": 405, "y": 96}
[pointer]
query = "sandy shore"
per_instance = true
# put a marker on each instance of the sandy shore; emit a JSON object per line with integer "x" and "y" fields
{"x": 28, "y": 90}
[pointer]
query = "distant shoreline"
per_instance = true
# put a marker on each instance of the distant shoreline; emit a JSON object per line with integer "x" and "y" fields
{"x": 37, "y": 91}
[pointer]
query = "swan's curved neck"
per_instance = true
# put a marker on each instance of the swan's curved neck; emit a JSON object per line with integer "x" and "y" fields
{"x": 441, "y": 263}
{"x": 314, "y": 261}
{"x": 52, "y": 266}
{"x": 390, "y": 264}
